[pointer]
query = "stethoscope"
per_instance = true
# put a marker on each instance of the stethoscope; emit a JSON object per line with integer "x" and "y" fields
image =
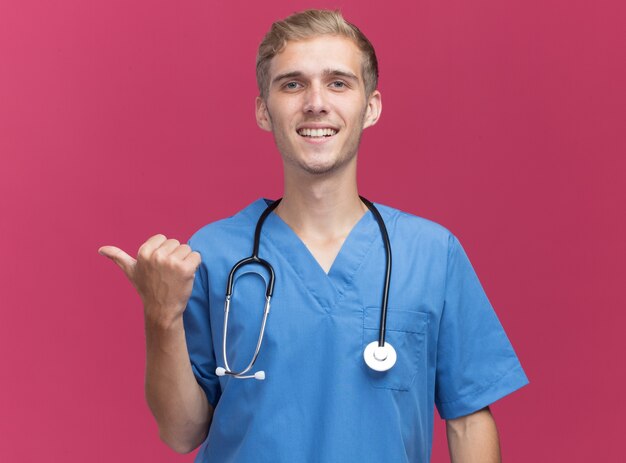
{"x": 378, "y": 355}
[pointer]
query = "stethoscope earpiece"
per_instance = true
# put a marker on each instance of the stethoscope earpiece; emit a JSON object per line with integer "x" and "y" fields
{"x": 380, "y": 358}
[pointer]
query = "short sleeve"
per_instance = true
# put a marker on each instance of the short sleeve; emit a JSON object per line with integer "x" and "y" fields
{"x": 198, "y": 335}
{"x": 476, "y": 364}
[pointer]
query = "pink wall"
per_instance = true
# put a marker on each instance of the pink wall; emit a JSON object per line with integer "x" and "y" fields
{"x": 504, "y": 121}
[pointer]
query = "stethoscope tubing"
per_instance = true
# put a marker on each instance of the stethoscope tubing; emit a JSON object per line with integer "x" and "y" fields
{"x": 269, "y": 291}
{"x": 387, "y": 244}
{"x": 254, "y": 258}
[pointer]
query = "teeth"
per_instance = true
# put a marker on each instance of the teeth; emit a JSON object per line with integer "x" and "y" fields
{"x": 317, "y": 132}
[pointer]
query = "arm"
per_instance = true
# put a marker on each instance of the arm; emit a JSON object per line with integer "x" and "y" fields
{"x": 175, "y": 398}
{"x": 473, "y": 438}
{"x": 163, "y": 275}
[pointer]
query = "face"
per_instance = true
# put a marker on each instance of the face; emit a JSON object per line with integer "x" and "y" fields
{"x": 316, "y": 106}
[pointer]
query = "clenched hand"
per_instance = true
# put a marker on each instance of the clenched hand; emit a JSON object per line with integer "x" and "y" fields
{"x": 162, "y": 274}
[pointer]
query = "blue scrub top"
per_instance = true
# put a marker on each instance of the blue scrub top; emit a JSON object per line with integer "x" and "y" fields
{"x": 319, "y": 401}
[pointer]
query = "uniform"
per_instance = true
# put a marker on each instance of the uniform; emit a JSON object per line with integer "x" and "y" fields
{"x": 319, "y": 401}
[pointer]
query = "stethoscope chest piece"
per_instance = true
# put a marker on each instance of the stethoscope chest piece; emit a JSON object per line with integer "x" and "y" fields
{"x": 380, "y": 358}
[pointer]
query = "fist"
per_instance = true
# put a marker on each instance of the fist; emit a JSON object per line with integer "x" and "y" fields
{"x": 162, "y": 274}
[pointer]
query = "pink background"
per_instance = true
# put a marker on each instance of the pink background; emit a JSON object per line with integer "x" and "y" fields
{"x": 503, "y": 121}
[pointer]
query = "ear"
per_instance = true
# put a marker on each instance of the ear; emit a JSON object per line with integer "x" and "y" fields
{"x": 374, "y": 108}
{"x": 262, "y": 115}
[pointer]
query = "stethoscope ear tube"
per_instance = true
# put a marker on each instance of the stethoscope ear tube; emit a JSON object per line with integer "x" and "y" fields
{"x": 221, "y": 371}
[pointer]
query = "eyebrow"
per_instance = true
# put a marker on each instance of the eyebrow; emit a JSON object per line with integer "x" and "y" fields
{"x": 325, "y": 73}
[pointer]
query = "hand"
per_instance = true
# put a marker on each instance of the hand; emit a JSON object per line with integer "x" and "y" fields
{"x": 162, "y": 274}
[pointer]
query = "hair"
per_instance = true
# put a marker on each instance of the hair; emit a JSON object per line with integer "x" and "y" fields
{"x": 307, "y": 24}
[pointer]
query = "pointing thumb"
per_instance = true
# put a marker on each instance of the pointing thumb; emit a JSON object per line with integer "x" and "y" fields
{"x": 125, "y": 262}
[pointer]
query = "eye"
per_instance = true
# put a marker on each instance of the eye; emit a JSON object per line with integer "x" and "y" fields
{"x": 338, "y": 84}
{"x": 291, "y": 85}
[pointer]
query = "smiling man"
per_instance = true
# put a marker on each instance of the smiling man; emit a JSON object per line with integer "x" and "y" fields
{"x": 359, "y": 348}
{"x": 317, "y": 105}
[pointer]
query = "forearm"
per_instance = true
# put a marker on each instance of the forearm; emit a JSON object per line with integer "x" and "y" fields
{"x": 175, "y": 398}
{"x": 473, "y": 438}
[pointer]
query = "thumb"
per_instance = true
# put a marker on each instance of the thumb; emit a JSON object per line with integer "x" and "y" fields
{"x": 125, "y": 262}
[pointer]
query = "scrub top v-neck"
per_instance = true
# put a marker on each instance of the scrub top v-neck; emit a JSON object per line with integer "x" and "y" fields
{"x": 319, "y": 401}
{"x": 324, "y": 287}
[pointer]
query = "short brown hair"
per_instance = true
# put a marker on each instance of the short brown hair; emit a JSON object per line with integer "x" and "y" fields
{"x": 310, "y": 23}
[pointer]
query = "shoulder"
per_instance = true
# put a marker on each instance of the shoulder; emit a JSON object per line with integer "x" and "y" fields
{"x": 239, "y": 226}
{"x": 407, "y": 227}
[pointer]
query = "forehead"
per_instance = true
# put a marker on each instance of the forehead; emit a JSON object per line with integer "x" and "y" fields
{"x": 315, "y": 55}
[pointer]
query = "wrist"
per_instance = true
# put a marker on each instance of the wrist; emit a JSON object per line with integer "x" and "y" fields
{"x": 162, "y": 319}
{"x": 164, "y": 336}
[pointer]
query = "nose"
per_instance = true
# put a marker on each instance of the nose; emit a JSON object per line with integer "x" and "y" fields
{"x": 315, "y": 100}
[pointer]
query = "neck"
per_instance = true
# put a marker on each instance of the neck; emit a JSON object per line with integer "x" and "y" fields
{"x": 321, "y": 206}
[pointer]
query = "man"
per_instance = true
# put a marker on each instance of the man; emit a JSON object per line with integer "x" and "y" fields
{"x": 319, "y": 401}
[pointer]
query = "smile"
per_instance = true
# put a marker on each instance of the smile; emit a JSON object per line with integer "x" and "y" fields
{"x": 317, "y": 133}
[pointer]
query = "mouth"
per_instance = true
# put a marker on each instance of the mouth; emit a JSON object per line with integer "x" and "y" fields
{"x": 317, "y": 133}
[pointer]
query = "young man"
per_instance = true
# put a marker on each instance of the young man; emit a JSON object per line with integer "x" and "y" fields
{"x": 322, "y": 398}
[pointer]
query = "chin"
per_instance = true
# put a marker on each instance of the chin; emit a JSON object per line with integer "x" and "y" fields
{"x": 317, "y": 163}
{"x": 322, "y": 168}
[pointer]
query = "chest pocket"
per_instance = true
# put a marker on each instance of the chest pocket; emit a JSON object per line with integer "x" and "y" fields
{"x": 406, "y": 332}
